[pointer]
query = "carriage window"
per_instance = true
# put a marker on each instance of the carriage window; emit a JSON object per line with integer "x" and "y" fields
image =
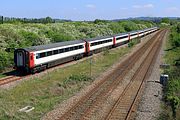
{"x": 76, "y": 47}
{"x": 42, "y": 55}
{"x": 55, "y": 52}
{"x": 37, "y": 56}
{"x": 49, "y": 53}
{"x": 71, "y": 48}
{"x": 66, "y": 49}
{"x": 61, "y": 50}
{"x": 81, "y": 46}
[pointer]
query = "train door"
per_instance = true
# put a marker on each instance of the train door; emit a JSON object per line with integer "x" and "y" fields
{"x": 20, "y": 59}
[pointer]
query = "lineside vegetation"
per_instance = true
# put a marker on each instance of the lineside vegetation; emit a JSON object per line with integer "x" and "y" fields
{"x": 172, "y": 90}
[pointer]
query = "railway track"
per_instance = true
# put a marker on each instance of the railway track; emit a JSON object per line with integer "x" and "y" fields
{"x": 9, "y": 79}
{"x": 123, "y": 107}
{"x": 13, "y": 78}
{"x": 87, "y": 106}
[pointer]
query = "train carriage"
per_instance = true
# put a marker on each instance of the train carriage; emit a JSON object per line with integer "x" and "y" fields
{"x": 120, "y": 39}
{"x": 38, "y": 58}
{"x": 133, "y": 34}
{"x": 96, "y": 45}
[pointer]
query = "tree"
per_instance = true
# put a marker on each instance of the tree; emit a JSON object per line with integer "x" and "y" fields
{"x": 48, "y": 20}
{"x": 97, "y": 21}
{"x": 178, "y": 28}
{"x": 165, "y": 20}
{"x": 1, "y": 19}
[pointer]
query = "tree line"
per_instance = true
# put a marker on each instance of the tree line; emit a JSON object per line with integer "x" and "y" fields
{"x": 29, "y": 20}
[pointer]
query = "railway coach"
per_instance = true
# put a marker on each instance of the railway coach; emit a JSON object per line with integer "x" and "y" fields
{"x": 95, "y": 45}
{"x": 38, "y": 58}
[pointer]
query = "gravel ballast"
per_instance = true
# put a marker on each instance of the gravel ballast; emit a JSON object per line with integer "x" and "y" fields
{"x": 150, "y": 105}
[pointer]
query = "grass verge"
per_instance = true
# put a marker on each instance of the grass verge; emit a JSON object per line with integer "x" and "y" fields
{"x": 171, "y": 107}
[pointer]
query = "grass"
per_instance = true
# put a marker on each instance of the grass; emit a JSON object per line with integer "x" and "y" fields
{"x": 1, "y": 75}
{"x": 171, "y": 107}
{"x": 51, "y": 89}
{"x": 134, "y": 42}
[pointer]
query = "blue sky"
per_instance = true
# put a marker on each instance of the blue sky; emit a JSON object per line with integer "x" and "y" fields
{"x": 89, "y": 9}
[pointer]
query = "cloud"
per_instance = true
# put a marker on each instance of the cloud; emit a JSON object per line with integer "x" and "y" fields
{"x": 148, "y": 6}
{"x": 143, "y": 6}
{"x": 173, "y": 9}
{"x": 90, "y": 6}
{"x": 137, "y": 6}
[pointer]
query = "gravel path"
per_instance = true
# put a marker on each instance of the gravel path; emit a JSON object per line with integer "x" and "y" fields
{"x": 149, "y": 107}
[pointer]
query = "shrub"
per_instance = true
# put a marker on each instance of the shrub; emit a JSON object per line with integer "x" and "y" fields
{"x": 73, "y": 79}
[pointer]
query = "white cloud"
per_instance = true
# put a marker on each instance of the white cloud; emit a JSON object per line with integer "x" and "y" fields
{"x": 90, "y": 6}
{"x": 148, "y": 6}
{"x": 143, "y": 6}
{"x": 137, "y": 6}
{"x": 172, "y": 9}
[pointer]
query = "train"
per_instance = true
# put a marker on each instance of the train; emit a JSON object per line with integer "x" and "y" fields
{"x": 38, "y": 58}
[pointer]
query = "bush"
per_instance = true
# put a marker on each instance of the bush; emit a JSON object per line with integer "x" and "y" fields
{"x": 172, "y": 90}
{"x": 74, "y": 79}
{"x": 6, "y": 60}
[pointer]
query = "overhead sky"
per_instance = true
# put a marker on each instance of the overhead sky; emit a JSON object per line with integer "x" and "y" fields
{"x": 89, "y": 9}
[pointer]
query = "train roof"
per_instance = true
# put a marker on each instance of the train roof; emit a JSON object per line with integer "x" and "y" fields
{"x": 98, "y": 38}
{"x": 53, "y": 45}
{"x": 120, "y": 34}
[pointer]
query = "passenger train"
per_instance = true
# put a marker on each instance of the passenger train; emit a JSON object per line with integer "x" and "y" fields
{"x": 38, "y": 58}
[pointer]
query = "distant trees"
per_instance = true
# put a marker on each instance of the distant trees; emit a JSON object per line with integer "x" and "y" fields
{"x": 26, "y": 20}
{"x": 1, "y": 19}
{"x": 97, "y": 21}
{"x": 165, "y": 20}
{"x": 48, "y": 20}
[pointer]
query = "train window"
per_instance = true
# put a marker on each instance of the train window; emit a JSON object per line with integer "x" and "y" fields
{"x": 55, "y": 52}
{"x": 61, "y": 50}
{"x": 49, "y": 53}
{"x": 71, "y": 48}
{"x": 66, "y": 49}
{"x": 37, "y": 56}
{"x": 42, "y": 55}
{"x": 81, "y": 46}
{"x": 76, "y": 47}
